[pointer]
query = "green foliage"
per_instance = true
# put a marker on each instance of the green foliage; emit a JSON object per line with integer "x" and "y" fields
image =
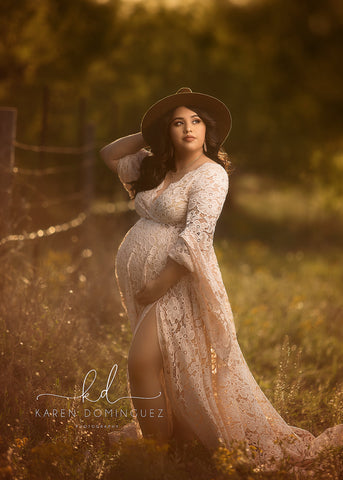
{"x": 51, "y": 40}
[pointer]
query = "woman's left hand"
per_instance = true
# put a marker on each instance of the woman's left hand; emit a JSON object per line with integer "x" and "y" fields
{"x": 150, "y": 292}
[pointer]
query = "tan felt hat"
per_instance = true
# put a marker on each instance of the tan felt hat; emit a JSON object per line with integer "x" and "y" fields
{"x": 185, "y": 97}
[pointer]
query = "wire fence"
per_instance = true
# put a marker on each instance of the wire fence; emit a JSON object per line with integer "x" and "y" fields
{"x": 98, "y": 209}
{"x": 47, "y": 149}
{"x": 47, "y": 232}
{"x": 10, "y": 171}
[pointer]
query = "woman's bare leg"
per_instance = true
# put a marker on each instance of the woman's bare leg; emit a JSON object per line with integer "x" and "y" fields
{"x": 144, "y": 365}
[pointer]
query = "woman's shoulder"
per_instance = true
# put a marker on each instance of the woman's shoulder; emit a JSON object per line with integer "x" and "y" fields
{"x": 209, "y": 160}
{"x": 211, "y": 174}
{"x": 212, "y": 168}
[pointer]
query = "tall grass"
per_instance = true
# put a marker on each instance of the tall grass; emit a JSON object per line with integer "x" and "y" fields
{"x": 280, "y": 255}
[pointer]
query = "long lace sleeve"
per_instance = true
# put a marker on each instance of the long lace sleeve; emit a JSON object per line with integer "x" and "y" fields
{"x": 194, "y": 249}
{"x": 128, "y": 167}
{"x": 206, "y": 200}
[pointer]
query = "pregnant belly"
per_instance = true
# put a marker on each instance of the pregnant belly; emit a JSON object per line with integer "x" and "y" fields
{"x": 143, "y": 252}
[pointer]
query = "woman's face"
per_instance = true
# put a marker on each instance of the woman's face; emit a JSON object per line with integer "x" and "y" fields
{"x": 187, "y": 130}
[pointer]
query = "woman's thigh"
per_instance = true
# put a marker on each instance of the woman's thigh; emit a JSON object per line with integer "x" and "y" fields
{"x": 145, "y": 354}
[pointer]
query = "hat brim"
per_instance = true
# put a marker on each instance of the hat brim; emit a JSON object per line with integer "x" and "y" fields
{"x": 215, "y": 108}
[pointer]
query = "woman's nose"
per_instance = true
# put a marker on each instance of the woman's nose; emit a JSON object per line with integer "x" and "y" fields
{"x": 188, "y": 128}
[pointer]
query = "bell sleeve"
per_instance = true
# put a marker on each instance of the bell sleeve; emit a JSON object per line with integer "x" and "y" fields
{"x": 205, "y": 203}
{"x": 128, "y": 167}
{"x": 194, "y": 249}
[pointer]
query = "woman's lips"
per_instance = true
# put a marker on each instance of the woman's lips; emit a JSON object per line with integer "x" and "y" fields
{"x": 188, "y": 139}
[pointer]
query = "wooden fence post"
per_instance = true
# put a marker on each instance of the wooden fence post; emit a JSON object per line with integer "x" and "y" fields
{"x": 8, "y": 118}
{"x": 88, "y": 167}
{"x": 88, "y": 180}
{"x": 45, "y": 116}
{"x": 81, "y": 121}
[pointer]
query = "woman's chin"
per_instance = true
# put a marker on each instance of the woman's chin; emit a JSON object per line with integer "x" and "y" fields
{"x": 188, "y": 147}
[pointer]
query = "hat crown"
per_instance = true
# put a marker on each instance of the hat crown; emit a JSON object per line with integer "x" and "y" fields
{"x": 184, "y": 90}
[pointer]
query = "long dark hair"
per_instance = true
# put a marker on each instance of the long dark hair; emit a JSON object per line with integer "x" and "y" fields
{"x": 154, "y": 166}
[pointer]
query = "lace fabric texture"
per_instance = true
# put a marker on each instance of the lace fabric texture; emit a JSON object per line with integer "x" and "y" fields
{"x": 207, "y": 380}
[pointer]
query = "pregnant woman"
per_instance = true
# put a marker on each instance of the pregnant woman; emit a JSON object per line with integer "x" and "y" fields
{"x": 187, "y": 376}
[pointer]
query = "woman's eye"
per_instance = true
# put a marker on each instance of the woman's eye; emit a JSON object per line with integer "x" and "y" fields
{"x": 180, "y": 122}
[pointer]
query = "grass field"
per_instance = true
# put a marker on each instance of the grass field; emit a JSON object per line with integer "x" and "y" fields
{"x": 280, "y": 252}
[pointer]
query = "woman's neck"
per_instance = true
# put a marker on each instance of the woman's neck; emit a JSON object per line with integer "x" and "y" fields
{"x": 185, "y": 160}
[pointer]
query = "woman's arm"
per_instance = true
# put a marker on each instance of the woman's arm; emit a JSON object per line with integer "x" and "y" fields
{"x": 155, "y": 289}
{"x": 121, "y": 147}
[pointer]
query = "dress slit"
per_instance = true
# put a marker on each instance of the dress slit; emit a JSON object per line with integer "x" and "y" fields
{"x": 142, "y": 316}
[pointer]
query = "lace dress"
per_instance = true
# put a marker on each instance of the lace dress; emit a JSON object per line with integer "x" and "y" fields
{"x": 207, "y": 382}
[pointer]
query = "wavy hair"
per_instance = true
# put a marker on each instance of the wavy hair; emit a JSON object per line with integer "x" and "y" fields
{"x": 160, "y": 160}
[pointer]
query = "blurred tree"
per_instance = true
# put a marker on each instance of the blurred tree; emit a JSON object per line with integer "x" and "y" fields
{"x": 50, "y": 43}
{"x": 276, "y": 64}
{"x": 52, "y": 40}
